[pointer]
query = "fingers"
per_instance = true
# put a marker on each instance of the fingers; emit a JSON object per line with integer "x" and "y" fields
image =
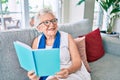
{"x": 52, "y": 78}
{"x": 32, "y": 75}
{"x": 63, "y": 73}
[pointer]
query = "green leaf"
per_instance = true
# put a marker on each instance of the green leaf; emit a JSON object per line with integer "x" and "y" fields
{"x": 115, "y": 10}
{"x": 104, "y": 5}
{"x": 110, "y": 2}
{"x": 4, "y": 1}
{"x": 80, "y": 2}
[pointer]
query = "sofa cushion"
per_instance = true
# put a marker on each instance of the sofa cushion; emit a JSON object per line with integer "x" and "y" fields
{"x": 80, "y": 42}
{"x": 111, "y": 45}
{"x": 94, "y": 46}
{"x": 106, "y": 68}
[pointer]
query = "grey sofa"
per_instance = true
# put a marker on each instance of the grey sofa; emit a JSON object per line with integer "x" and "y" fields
{"x": 106, "y": 68}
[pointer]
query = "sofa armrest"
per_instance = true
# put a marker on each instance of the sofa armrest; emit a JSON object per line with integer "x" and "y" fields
{"x": 111, "y": 45}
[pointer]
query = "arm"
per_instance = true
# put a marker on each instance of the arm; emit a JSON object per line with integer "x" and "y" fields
{"x": 34, "y": 44}
{"x": 75, "y": 59}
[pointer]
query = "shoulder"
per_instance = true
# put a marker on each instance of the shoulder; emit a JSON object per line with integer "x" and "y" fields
{"x": 70, "y": 37}
{"x": 35, "y": 43}
{"x": 66, "y": 38}
{"x": 65, "y": 34}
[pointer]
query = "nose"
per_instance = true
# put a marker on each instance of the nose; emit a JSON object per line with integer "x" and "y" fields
{"x": 52, "y": 24}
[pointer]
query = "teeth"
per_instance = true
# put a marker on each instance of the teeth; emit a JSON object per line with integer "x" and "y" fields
{"x": 51, "y": 29}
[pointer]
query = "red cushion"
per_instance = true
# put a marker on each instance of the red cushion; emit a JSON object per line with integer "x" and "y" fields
{"x": 94, "y": 46}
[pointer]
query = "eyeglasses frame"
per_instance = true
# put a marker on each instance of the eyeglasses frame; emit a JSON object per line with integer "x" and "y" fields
{"x": 50, "y": 21}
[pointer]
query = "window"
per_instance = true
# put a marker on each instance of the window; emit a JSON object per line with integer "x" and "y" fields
{"x": 14, "y": 13}
{"x": 10, "y": 14}
{"x": 36, "y": 5}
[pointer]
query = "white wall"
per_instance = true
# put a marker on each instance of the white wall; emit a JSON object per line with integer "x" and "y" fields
{"x": 73, "y": 12}
{"x": 65, "y": 11}
{"x": 85, "y": 10}
{"x": 76, "y": 11}
{"x": 89, "y": 10}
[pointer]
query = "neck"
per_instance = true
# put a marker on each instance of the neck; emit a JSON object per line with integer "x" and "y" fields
{"x": 50, "y": 40}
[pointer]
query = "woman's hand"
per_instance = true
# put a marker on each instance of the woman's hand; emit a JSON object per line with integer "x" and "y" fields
{"x": 63, "y": 73}
{"x": 32, "y": 75}
{"x": 52, "y": 78}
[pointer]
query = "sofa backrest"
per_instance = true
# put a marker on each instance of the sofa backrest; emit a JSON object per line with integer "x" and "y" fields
{"x": 9, "y": 65}
{"x": 77, "y": 28}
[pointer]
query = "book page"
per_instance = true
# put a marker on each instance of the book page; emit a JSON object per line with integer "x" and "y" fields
{"x": 47, "y": 61}
{"x": 25, "y": 56}
{"x": 43, "y": 61}
{"x": 23, "y": 44}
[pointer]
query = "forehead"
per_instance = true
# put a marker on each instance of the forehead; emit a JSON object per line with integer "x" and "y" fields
{"x": 46, "y": 16}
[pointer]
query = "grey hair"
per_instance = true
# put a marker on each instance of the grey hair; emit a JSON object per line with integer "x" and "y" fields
{"x": 42, "y": 12}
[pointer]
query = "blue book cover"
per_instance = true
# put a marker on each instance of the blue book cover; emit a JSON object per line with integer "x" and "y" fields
{"x": 44, "y": 62}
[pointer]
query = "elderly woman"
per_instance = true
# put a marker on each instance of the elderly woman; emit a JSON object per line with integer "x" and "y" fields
{"x": 72, "y": 67}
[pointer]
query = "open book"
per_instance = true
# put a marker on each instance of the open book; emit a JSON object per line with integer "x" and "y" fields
{"x": 44, "y": 62}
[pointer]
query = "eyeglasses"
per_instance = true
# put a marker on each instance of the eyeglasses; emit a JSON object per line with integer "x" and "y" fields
{"x": 47, "y": 23}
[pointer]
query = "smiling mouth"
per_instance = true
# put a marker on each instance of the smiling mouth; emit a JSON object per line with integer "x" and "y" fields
{"x": 51, "y": 29}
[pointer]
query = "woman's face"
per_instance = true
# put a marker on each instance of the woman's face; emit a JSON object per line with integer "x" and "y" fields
{"x": 48, "y": 24}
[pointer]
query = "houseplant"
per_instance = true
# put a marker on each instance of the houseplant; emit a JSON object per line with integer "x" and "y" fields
{"x": 6, "y": 6}
{"x": 111, "y": 8}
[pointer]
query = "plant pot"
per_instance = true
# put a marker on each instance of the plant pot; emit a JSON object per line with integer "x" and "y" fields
{"x": 112, "y": 34}
{"x": 117, "y": 25}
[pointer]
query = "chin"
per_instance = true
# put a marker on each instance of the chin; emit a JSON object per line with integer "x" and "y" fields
{"x": 52, "y": 33}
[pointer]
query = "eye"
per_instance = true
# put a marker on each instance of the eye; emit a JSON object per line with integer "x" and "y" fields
{"x": 54, "y": 20}
{"x": 46, "y": 22}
